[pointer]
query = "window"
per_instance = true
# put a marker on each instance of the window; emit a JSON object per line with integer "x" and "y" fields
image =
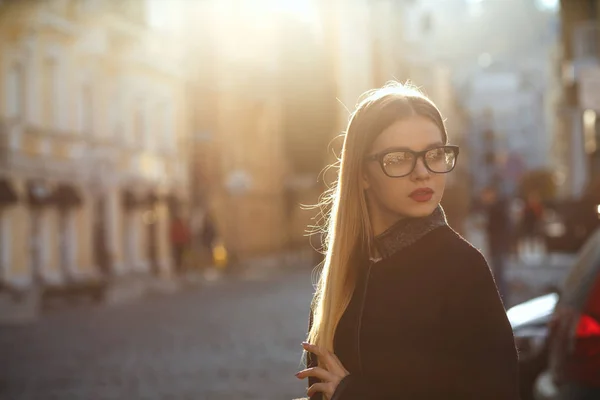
{"x": 116, "y": 116}
{"x": 86, "y": 109}
{"x": 154, "y": 123}
{"x": 164, "y": 140}
{"x": 138, "y": 124}
{"x": 163, "y": 126}
{"x": 169, "y": 128}
{"x": 15, "y": 91}
{"x": 149, "y": 127}
{"x": 51, "y": 91}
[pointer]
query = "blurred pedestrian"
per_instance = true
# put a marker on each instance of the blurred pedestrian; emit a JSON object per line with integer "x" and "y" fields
{"x": 498, "y": 235}
{"x": 405, "y": 308}
{"x": 531, "y": 243}
{"x": 208, "y": 236}
{"x": 515, "y": 212}
{"x": 180, "y": 239}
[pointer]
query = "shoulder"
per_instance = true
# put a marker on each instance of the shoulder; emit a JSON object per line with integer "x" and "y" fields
{"x": 458, "y": 254}
{"x": 452, "y": 243}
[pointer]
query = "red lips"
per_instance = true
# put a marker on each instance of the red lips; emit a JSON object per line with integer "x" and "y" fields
{"x": 421, "y": 195}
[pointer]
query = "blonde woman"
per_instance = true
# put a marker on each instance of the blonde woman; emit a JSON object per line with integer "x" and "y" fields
{"x": 405, "y": 308}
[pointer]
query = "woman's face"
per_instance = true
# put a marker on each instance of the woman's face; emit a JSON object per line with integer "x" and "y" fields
{"x": 414, "y": 195}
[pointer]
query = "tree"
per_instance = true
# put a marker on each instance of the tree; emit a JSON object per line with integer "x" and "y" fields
{"x": 540, "y": 181}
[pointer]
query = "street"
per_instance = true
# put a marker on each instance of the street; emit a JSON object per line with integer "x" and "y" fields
{"x": 230, "y": 339}
{"x": 237, "y": 337}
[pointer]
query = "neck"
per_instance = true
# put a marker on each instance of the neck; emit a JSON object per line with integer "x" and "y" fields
{"x": 382, "y": 220}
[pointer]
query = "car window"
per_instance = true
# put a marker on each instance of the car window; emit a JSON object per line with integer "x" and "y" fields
{"x": 583, "y": 274}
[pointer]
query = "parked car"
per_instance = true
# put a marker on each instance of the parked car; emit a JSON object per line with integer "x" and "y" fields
{"x": 558, "y": 334}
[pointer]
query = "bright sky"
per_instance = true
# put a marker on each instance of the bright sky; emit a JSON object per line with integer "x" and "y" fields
{"x": 549, "y": 4}
{"x": 164, "y": 14}
{"x": 544, "y": 4}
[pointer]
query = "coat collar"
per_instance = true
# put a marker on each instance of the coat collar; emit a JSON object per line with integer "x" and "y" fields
{"x": 407, "y": 231}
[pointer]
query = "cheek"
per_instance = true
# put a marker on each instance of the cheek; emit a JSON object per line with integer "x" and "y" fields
{"x": 440, "y": 182}
{"x": 390, "y": 189}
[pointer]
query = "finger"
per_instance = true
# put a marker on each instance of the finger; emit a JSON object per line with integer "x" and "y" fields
{"x": 331, "y": 361}
{"x": 324, "y": 355}
{"x": 317, "y": 372}
{"x": 319, "y": 387}
{"x": 312, "y": 348}
{"x": 343, "y": 370}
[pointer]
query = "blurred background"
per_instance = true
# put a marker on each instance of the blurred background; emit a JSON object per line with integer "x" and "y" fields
{"x": 155, "y": 156}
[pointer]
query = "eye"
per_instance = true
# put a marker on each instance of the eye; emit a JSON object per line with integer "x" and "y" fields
{"x": 397, "y": 157}
{"x": 435, "y": 154}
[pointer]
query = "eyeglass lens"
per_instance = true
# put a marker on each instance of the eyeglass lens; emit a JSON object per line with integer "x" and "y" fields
{"x": 401, "y": 163}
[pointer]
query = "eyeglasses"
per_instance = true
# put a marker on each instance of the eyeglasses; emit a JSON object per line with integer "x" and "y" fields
{"x": 399, "y": 163}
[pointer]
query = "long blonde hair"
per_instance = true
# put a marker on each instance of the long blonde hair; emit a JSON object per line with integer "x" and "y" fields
{"x": 347, "y": 223}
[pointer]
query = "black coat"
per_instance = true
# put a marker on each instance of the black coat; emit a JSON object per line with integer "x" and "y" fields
{"x": 428, "y": 324}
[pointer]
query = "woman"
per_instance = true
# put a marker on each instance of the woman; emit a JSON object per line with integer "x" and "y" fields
{"x": 405, "y": 308}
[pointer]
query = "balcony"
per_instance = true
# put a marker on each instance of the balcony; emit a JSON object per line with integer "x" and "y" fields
{"x": 40, "y": 151}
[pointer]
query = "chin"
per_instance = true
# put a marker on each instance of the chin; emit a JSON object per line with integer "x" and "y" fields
{"x": 419, "y": 210}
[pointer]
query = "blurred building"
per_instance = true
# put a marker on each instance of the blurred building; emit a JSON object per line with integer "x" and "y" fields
{"x": 427, "y": 63}
{"x": 509, "y": 94}
{"x": 365, "y": 42}
{"x": 272, "y": 87}
{"x": 499, "y": 57}
{"x": 93, "y": 137}
{"x": 507, "y": 105}
{"x": 239, "y": 166}
{"x": 578, "y": 143}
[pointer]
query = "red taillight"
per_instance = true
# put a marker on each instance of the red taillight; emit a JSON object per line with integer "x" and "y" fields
{"x": 587, "y": 327}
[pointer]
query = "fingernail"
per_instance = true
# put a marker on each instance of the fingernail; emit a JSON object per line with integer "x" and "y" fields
{"x": 305, "y": 343}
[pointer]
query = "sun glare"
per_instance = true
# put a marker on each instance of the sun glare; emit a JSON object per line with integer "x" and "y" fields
{"x": 300, "y": 9}
{"x": 551, "y": 5}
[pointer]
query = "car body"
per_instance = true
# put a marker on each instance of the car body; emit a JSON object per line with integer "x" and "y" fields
{"x": 558, "y": 334}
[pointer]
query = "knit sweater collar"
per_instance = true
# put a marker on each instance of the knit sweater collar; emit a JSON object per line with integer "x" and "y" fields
{"x": 407, "y": 231}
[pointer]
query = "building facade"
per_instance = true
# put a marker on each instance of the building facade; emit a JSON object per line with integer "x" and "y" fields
{"x": 578, "y": 141}
{"x": 273, "y": 90}
{"x": 94, "y": 130}
{"x": 239, "y": 165}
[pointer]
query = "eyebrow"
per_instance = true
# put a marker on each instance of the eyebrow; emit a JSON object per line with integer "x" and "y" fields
{"x": 399, "y": 148}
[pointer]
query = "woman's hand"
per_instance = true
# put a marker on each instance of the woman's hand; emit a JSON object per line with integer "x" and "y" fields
{"x": 330, "y": 377}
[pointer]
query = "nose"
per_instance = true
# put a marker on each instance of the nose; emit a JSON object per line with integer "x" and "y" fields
{"x": 420, "y": 172}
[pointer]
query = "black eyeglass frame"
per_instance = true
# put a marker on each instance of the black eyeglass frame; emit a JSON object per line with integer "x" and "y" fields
{"x": 417, "y": 154}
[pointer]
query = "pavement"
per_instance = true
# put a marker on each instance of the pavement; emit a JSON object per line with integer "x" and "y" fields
{"x": 218, "y": 336}
{"x": 227, "y": 338}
